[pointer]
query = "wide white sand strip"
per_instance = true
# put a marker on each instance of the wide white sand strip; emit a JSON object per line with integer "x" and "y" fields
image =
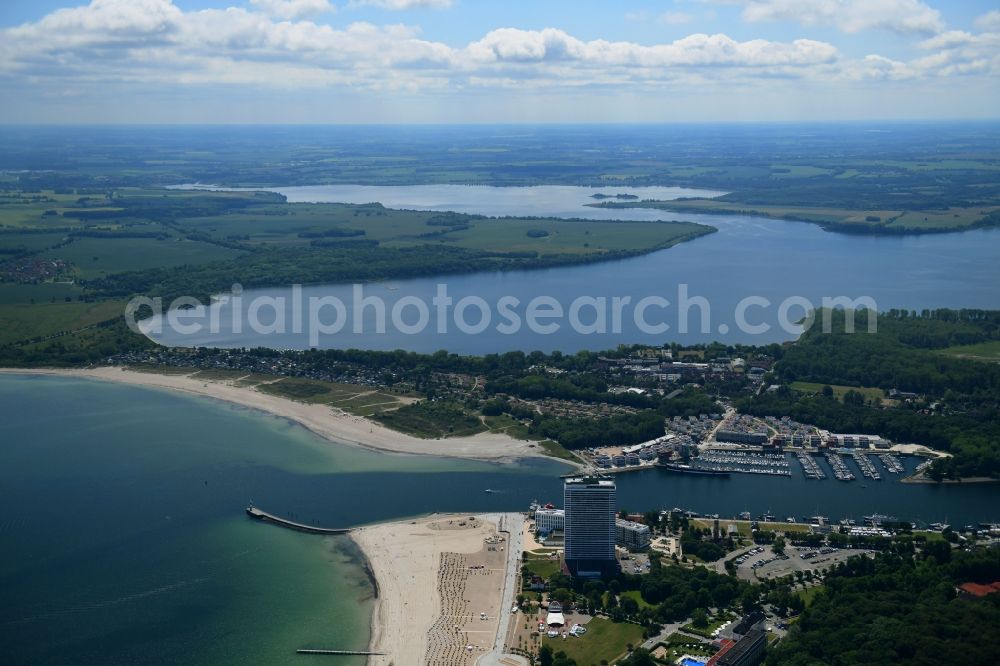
{"x": 405, "y": 557}
{"x": 328, "y": 422}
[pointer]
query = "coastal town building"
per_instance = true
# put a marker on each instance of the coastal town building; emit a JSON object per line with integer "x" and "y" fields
{"x": 631, "y": 535}
{"x": 548, "y": 521}
{"x": 748, "y": 651}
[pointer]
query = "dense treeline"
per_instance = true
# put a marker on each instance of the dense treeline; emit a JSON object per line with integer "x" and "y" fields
{"x": 672, "y": 592}
{"x": 589, "y": 388}
{"x": 900, "y": 355}
{"x": 345, "y": 261}
{"x": 579, "y": 433}
{"x": 895, "y": 609}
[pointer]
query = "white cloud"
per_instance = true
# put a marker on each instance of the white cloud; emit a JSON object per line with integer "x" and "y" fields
{"x": 551, "y": 45}
{"x": 397, "y": 5}
{"x": 901, "y": 16}
{"x": 675, "y": 18}
{"x": 153, "y": 42}
{"x": 989, "y": 22}
{"x": 292, "y": 9}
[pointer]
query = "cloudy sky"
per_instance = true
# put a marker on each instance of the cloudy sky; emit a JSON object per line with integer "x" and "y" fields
{"x": 421, "y": 61}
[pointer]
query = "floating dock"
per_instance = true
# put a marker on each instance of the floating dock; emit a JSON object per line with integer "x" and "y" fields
{"x": 266, "y": 517}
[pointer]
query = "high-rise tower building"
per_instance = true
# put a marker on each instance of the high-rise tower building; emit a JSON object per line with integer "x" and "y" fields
{"x": 590, "y": 505}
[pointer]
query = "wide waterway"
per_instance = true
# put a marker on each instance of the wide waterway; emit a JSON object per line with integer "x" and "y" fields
{"x": 748, "y": 257}
{"x": 125, "y": 539}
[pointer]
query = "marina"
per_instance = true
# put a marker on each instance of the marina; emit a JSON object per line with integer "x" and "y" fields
{"x": 810, "y": 468}
{"x": 867, "y": 467}
{"x": 840, "y": 470}
{"x": 891, "y": 463}
{"x": 725, "y": 462}
{"x": 744, "y": 462}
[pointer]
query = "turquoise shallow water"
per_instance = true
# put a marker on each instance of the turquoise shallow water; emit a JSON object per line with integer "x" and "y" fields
{"x": 124, "y": 539}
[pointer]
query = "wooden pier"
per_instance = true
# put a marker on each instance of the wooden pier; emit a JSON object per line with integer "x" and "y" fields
{"x": 342, "y": 652}
{"x": 266, "y": 517}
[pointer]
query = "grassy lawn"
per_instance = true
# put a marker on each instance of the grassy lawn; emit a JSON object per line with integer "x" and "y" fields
{"x": 742, "y": 535}
{"x": 505, "y": 423}
{"x": 713, "y": 624}
{"x": 678, "y": 645}
{"x": 542, "y": 566}
{"x": 637, "y": 596}
{"x": 808, "y": 595}
{"x": 984, "y": 351}
{"x": 604, "y": 640}
{"x": 930, "y": 536}
{"x": 870, "y": 393}
{"x": 556, "y": 450}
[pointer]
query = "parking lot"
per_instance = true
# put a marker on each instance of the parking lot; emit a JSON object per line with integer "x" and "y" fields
{"x": 761, "y": 563}
{"x": 634, "y": 563}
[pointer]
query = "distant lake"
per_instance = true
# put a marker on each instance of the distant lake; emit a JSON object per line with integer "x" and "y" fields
{"x": 748, "y": 257}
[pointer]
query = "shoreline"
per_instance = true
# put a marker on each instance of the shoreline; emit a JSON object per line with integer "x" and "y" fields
{"x": 327, "y": 422}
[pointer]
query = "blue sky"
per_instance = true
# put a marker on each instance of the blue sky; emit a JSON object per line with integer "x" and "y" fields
{"x": 264, "y": 61}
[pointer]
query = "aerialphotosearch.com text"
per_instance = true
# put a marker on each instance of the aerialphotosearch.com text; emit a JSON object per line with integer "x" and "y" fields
{"x": 324, "y": 316}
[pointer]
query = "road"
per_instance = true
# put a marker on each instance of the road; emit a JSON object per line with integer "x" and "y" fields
{"x": 512, "y": 524}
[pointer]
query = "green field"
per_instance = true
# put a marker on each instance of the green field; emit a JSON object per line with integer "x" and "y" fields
{"x": 569, "y": 237}
{"x": 20, "y": 322}
{"x": 30, "y": 242}
{"x": 890, "y": 221}
{"x": 46, "y": 292}
{"x": 300, "y": 224}
{"x": 870, "y": 393}
{"x": 984, "y": 351}
{"x": 95, "y": 257}
{"x": 604, "y": 641}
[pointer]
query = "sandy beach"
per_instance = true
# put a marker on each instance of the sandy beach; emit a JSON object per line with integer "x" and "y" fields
{"x": 441, "y": 585}
{"x": 328, "y": 422}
